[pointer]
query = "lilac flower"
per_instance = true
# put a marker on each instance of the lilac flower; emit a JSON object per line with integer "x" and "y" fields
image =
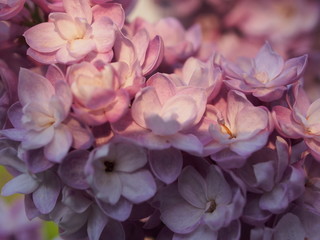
{"x": 266, "y": 76}
{"x": 69, "y": 37}
{"x": 38, "y": 116}
{"x": 200, "y": 206}
{"x": 300, "y": 121}
{"x": 44, "y": 186}
{"x": 227, "y": 132}
{"x": 116, "y": 176}
{"x": 298, "y": 224}
{"x": 195, "y": 73}
{"x": 165, "y": 122}
{"x": 269, "y": 173}
{"x": 179, "y": 44}
{"x": 98, "y": 94}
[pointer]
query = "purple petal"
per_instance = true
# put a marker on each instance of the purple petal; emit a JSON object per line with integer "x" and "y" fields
{"x": 269, "y": 61}
{"x": 178, "y": 214}
{"x": 120, "y": 211}
{"x": 139, "y": 186}
{"x": 133, "y": 158}
{"x": 77, "y": 200}
{"x": 71, "y": 170}
{"x": 59, "y": 146}
{"x": 166, "y": 164}
{"x": 23, "y": 183}
{"x": 96, "y": 223}
{"x": 289, "y": 227}
{"x": 45, "y": 197}
{"x": 192, "y": 187}
{"x": 33, "y": 87}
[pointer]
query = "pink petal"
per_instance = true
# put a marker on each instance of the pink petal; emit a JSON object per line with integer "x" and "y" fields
{"x": 78, "y": 8}
{"x": 44, "y": 38}
{"x": 163, "y": 86}
{"x": 145, "y": 104}
{"x": 45, "y": 58}
{"x": 119, "y": 107}
{"x": 153, "y": 56}
{"x": 284, "y": 122}
{"x": 269, "y": 61}
{"x": 113, "y": 11}
{"x": 104, "y": 34}
{"x": 79, "y": 48}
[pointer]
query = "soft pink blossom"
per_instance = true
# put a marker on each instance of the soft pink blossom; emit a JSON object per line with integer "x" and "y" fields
{"x": 98, "y": 96}
{"x": 195, "y": 73}
{"x": 71, "y": 36}
{"x": 162, "y": 114}
{"x": 37, "y": 117}
{"x": 229, "y": 135}
{"x": 179, "y": 43}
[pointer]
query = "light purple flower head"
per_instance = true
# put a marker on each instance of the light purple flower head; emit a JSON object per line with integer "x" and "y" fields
{"x": 199, "y": 205}
{"x": 268, "y": 172}
{"x": 300, "y": 120}
{"x": 266, "y": 76}
{"x": 38, "y": 118}
{"x": 298, "y": 224}
{"x": 115, "y": 173}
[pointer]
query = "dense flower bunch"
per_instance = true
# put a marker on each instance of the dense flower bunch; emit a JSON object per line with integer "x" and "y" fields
{"x": 126, "y": 130}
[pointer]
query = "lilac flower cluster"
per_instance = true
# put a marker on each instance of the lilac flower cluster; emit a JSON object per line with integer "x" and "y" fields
{"x": 126, "y": 130}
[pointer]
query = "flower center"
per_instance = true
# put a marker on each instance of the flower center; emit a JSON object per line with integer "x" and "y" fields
{"x": 225, "y": 129}
{"x": 109, "y": 166}
{"x": 262, "y": 77}
{"x": 211, "y": 206}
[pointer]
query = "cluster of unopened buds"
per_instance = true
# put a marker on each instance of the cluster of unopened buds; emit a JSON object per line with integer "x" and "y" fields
{"x": 126, "y": 130}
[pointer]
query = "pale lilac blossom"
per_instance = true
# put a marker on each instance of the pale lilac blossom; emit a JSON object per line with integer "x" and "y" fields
{"x": 201, "y": 206}
{"x": 228, "y": 134}
{"x": 301, "y": 120}
{"x": 117, "y": 177}
{"x": 266, "y": 76}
